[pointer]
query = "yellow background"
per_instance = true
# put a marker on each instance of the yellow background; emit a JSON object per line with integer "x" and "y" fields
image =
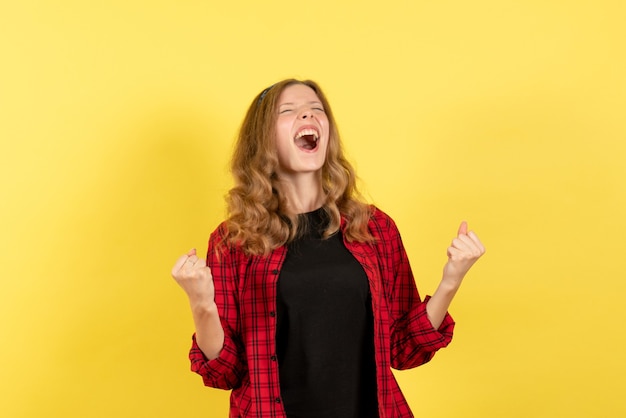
{"x": 117, "y": 120}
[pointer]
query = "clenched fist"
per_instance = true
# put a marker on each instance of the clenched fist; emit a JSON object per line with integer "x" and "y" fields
{"x": 194, "y": 276}
{"x": 463, "y": 252}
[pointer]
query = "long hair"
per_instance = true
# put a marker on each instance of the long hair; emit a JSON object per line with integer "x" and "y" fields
{"x": 258, "y": 220}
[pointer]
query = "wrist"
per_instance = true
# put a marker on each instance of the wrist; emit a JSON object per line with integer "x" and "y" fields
{"x": 450, "y": 284}
{"x": 203, "y": 307}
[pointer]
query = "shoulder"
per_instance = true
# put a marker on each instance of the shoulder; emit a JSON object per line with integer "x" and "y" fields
{"x": 220, "y": 246}
{"x": 219, "y": 233}
{"x": 378, "y": 215}
{"x": 381, "y": 224}
{"x": 223, "y": 245}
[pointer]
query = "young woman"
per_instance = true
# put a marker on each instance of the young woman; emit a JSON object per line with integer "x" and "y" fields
{"x": 306, "y": 299}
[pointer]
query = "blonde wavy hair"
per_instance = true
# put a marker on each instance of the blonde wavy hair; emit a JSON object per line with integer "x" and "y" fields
{"x": 258, "y": 219}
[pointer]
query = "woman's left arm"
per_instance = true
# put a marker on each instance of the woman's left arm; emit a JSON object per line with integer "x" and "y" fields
{"x": 464, "y": 251}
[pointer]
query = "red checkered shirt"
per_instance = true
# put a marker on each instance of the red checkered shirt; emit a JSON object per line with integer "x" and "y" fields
{"x": 245, "y": 294}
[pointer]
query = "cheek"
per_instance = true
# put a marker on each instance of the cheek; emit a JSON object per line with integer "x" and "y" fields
{"x": 280, "y": 149}
{"x": 326, "y": 149}
{"x": 326, "y": 126}
{"x": 283, "y": 142}
{"x": 283, "y": 132}
{"x": 283, "y": 148}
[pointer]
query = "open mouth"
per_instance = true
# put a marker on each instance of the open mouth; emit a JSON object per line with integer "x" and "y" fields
{"x": 307, "y": 139}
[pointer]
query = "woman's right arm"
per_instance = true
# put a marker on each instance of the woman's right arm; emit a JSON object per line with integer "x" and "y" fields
{"x": 194, "y": 276}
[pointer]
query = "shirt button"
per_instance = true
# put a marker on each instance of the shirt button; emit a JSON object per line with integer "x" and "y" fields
{"x": 277, "y": 400}
{"x": 275, "y": 271}
{"x": 272, "y": 314}
{"x": 273, "y": 358}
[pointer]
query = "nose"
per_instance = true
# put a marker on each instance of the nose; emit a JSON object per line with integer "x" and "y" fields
{"x": 306, "y": 114}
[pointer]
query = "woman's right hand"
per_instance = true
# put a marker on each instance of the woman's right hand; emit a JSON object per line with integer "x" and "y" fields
{"x": 194, "y": 276}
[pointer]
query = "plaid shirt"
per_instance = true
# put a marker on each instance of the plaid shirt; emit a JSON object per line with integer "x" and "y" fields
{"x": 245, "y": 293}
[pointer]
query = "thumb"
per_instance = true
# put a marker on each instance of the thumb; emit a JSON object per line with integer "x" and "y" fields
{"x": 463, "y": 228}
{"x": 191, "y": 252}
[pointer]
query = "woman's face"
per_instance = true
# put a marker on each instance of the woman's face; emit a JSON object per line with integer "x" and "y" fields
{"x": 302, "y": 131}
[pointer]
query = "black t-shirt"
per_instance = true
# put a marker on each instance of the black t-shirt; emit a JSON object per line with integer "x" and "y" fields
{"x": 325, "y": 336}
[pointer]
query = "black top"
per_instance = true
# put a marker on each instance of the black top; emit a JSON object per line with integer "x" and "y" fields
{"x": 325, "y": 336}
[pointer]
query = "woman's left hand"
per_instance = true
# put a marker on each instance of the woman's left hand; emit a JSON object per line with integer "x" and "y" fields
{"x": 464, "y": 251}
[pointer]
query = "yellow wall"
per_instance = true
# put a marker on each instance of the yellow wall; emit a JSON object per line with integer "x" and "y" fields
{"x": 117, "y": 120}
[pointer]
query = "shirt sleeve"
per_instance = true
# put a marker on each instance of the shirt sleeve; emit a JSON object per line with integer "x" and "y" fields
{"x": 227, "y": 370}
{"x": 413, "y": 339}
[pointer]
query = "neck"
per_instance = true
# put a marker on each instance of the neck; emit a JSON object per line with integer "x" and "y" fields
{"x": 303, "y": 192}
